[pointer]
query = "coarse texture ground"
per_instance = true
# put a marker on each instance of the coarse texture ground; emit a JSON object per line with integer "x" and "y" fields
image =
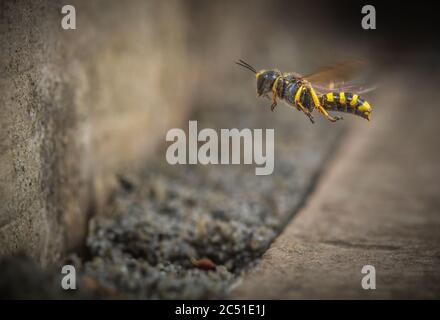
{"x": 169, "y": 216}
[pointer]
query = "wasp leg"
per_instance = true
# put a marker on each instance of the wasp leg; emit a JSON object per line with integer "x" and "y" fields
{"x": 274, "y": 99}
{"x": 320, "y": 108}
{"x": 327, "y": 115}
{"x": 274, "y": 104}
{"x": 307, "y": 112}
{"x": 299, "y": 105}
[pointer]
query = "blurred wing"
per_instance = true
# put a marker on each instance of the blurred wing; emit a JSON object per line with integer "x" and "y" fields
{"x": 343, "y": 87}
{"x": 336, "y": 73}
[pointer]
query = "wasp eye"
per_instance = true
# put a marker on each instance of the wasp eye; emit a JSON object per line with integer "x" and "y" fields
{"x": 260, "y": 84}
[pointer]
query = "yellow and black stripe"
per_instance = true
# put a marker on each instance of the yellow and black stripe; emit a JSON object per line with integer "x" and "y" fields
{"x": 293, "y": 92}
{"x": 346, "y": 102}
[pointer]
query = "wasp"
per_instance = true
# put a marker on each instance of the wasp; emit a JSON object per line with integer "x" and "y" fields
{"x": 321, "y": 90}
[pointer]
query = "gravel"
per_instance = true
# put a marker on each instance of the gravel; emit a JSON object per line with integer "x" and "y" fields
{"x": 189, "y": 232}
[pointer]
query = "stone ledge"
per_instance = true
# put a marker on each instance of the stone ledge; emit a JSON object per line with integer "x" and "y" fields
{"x": 376, "y": 205}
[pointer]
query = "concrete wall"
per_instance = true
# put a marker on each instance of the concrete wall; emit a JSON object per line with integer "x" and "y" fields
{"x": 77, "y": 106}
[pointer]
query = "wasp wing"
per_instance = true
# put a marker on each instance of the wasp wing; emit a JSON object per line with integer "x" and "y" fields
{"x": 338, "y": 77}
{"x": 343, "y": 87}
{"x": 337, "y": 73}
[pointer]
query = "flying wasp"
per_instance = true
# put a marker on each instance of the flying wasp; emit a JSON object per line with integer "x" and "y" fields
{"x": 323, "y": 90}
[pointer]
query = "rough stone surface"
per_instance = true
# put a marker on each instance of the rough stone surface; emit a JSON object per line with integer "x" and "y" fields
{"x": 376, "y": 205}
{"x": 76, "y": 107}
{"x": 167, "y": 218}
{"x": 163, "y": 220}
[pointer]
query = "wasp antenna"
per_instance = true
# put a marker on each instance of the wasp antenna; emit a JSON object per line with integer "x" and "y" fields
{"x": 244, "y": 65}
{"x": 247, "y": 64}
{"x": 241, "y": 63}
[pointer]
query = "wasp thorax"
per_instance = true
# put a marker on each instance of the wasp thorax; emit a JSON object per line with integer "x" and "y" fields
{"x": 265, "y": 81}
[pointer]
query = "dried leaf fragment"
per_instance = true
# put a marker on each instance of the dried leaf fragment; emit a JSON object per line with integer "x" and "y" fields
{"x": 204, "y": 263}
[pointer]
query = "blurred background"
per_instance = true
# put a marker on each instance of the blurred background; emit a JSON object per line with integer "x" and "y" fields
{"x": 83, "y": 109}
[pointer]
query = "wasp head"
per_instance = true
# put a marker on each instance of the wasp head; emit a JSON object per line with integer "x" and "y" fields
{"x": 265, "y": 81}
